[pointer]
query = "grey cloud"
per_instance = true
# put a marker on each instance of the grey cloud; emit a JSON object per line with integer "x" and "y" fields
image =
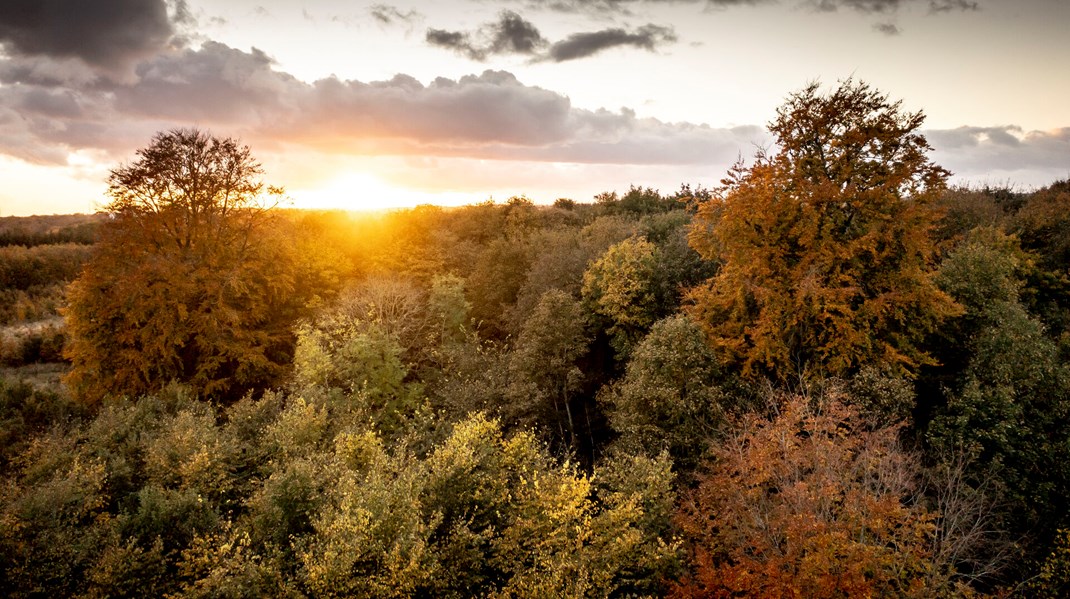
{"x": 458, "y": 41}
{"x": 488, "y": 116}
{"x": 886, "y": 28}
{"x": 863, "y": 6}
{"x": 581, "y": 45}
{"x": 939, "y": 6}
{"x": 107, "y": 34}
{"x": 214, "y": 82}
{"x": 390, "y": 15}
{"x": 626, "y": 7}
{"x": 986, "y": 154}
{"x": 889, "y": 6}
{"x": 510, "y": 34}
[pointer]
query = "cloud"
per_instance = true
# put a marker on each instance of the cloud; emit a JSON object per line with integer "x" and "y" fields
{"x": 110, "y": 35}
{"x": 1005, "y": 153}
{"x": 510, "y": 34}
{"x": 582, "y": 45}
{"x": 391, "y": 15}
{"x": 487, "y": 116}
{"x": 940, "y": 6}
{"x": 886, "y": 28}
{"x": 625, "y": 7}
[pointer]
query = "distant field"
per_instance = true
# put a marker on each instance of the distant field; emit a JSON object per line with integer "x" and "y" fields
{"x": 39, "y": 257}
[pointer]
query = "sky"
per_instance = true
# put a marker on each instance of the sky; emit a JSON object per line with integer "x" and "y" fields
{"x": 365, "y": 105}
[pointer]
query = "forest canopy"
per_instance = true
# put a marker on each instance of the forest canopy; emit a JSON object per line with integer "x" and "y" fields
{"x": 834, "y": 375}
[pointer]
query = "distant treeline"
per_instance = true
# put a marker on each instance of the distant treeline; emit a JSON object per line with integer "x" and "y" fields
{"x": 31, "y": 231}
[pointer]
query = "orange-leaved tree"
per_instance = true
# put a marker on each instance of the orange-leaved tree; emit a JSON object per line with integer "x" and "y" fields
{"x": 825, "y": 245}
{"x": 811, "y": 503}
{"x": 193, "y": 278}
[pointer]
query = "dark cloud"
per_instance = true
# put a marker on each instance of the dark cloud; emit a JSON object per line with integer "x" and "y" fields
{"x": 889, "y": 6}
{"x": 510, "y": 34}
{"x": 581, "y": 45}
{"x": 939, "y": 6}
{"x": 627, "y": 7}
{"x": 391, "y": 15}
{"x": 458, "y": 41}
{"x": 108, "y": 34}
{"x": 886, "y": 28}
{"x": 863, "y": 6}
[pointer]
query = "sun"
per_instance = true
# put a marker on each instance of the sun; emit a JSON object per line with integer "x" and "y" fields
{"x": 359, "y": 190}
{"x": 354, "y": 191}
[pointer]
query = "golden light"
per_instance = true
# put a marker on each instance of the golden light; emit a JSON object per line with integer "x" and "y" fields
{"x": 365, "y": 191}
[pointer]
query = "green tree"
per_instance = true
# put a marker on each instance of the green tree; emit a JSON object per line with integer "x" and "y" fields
{"x": 620, "y": 287}
{"x": 827, "y": 257}
{"x": 670, "y": 397}
{"x": 1008, "y": 405}
{"x": 192, "y": 279}
{"x": 545, "y": 378}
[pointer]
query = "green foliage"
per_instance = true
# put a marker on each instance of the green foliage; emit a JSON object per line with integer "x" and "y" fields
{"x": 620, "y": 288}
{"x": 544, "y": 375}
{"x": 671, "y": 396}
{"x": 1008, "y": 404}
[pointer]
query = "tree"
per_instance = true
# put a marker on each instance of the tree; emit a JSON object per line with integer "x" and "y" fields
{"x": 826, "y": 250}
{"x": 545, "y": 378}
{"x": 810, "y": 503}
{"x": 670, "y": 397}
{"x": 620, "y": 288}
{"x": 1008, "y": 406}
{"x": 191, "y": 279}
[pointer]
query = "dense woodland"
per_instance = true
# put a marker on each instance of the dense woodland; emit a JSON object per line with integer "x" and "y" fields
{"x": 833, "y": 376}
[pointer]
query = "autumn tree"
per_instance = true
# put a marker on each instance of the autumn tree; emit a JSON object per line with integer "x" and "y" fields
{"x": 825, "y": 243}
{"x": 192, "y": 279}
{"x": 810, "y": 503}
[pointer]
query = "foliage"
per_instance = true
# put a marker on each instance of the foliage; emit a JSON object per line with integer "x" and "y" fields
{"x": 544, "y": 376}
{"x": 1053, "y": 580}
{"x": 810, "y": 503}
{"x": 32, "y": 279}
{"x": 192, "y": 280}
{"x": 292, "y": 497}
{"x": 1009, "y": 403}
{"x": 29, "y": 231}
{"x": 671, "y": 396}
{"x": 825, "y": 245}
{"x": 620, "y": 288}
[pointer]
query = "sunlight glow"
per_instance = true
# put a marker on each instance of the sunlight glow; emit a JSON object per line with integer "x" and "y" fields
{"x": 365, "y": 191}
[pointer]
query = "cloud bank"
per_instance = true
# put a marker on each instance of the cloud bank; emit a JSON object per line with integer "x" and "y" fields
{"x": 490, "y": 115}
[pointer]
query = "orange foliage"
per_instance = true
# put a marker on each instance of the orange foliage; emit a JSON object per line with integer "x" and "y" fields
{"x": 193, "y": 279}
{"x": 826, "y": 247}
{"x": 810, "y": 504}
